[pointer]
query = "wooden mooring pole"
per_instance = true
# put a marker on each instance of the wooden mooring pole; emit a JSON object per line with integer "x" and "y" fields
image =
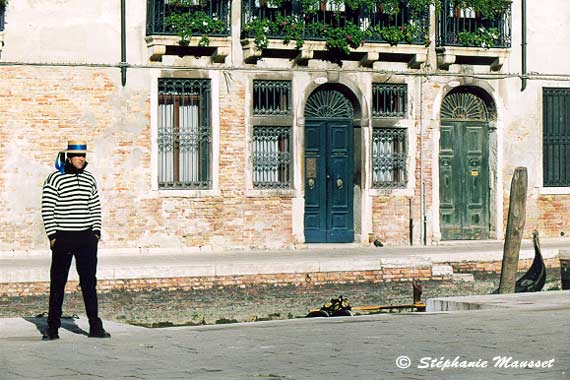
{"x": 515, "y": 229}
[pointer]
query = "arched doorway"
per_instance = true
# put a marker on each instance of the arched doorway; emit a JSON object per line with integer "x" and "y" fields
{"x": 329, "y": 160}
{"x": 464, "y": 164}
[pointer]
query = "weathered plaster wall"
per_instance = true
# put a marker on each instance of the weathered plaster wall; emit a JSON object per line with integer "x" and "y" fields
{"x": 42, "y": 106}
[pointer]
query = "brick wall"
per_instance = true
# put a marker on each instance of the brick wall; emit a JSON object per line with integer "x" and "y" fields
{"x": 41, "y": 108}
{"x": 386, "y": 275}
{"x": 390, "y": 219}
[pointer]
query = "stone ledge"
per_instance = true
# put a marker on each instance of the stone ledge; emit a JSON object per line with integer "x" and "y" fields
{"x": 218, "y": 49}
{"x": 415, "y": 55}
{"x": 449, "y": 55}
{"x": 543, "y": 300}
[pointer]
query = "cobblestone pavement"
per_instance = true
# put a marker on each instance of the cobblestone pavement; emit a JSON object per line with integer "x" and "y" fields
{"x": 492, "y": 342}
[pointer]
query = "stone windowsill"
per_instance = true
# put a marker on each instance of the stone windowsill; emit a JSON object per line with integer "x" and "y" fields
{"x": 264, "y": 193}
{"x": 554, "y": 190}
{"x": 188, "y": 193}
{"x": 391, "y": 192}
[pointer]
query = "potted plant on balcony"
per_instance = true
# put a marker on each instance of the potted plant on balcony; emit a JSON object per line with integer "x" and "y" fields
{"x": 343, "y": 28}
{"x": 480, "y": 8}
{"x": 482, "y": 37}
{"x": 189, "y": 18}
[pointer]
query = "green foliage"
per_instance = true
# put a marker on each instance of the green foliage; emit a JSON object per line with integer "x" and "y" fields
{"x": 290, "y": 28}
{"x": 188, "y": 19}
{"x": 260, "y": 29}
{"x": 396, "y": 34}
{"x": 342, "y": 39}
{"x": 483, "y": 37}
{"x": 3, "y": 3}
{"x": 341, "y": 35}
{"x": 487, "y": 8}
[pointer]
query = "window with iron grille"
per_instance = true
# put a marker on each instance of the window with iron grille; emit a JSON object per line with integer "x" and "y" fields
{"x": 271, "y": 157}
{"x": 389, "y": 145}
{"x": 184, "y": 134}
{"x": 389, "y": 154}
{"x": 272, "y": 147}
{"x": 556, "y": 137}
{"x": 271, "y": 97}
{"x": 389, "y": 100}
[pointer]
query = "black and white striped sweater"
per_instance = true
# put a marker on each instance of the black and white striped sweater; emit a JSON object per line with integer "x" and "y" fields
{"x": 70, "y": 202}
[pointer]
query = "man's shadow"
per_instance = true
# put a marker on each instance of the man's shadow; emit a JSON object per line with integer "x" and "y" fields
{"x": 67, "y": 323}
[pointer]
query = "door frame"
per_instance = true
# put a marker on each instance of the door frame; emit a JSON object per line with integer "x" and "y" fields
{"x": 496, "y": 157}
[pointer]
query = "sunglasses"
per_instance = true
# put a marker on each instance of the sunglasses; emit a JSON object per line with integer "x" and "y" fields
{"x": 71, "y": 155}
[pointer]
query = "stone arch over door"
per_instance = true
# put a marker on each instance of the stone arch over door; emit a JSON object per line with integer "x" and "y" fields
{"x": 329, "y": 172}
{"x": 466, "y": 164}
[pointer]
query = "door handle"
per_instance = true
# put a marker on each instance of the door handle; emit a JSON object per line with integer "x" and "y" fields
{"x": 339, "y": 183}
{"x": 311, "y": 183}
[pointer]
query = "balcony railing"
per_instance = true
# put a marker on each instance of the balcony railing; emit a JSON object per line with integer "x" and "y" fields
{"x": 467, "y": 27}
{"x": 407, "y": 25}
{"x": 158, "y": 12}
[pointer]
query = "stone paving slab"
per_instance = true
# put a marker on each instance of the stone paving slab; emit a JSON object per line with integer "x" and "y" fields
{"x": 429, "y": 345}
{"x": 542, "y": 300}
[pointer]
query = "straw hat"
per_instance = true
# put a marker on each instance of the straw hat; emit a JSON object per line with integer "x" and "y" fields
{"x": 76, "y": 146}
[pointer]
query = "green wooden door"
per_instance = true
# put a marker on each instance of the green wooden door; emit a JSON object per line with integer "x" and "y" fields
{"x": 329, "y": 215}
{"x": 464, "y": 180}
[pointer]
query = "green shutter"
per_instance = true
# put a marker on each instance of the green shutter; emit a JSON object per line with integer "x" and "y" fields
{"x": 556, "y": 137}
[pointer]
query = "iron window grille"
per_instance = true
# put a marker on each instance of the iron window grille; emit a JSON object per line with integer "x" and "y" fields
{"x": 389, "y": 100}
{"x": 271, "y": 150}
{"x": 389, "y": 146}
{"x": 184, "y": 134}
{"x": 271, "y": 97}
{"x": 556, "y": 137}
{"x": 271, "y": 157}
{"x": 389, "y": 154}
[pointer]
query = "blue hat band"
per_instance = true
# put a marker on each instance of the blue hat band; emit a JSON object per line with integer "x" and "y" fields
{"x": 77, "y": 147}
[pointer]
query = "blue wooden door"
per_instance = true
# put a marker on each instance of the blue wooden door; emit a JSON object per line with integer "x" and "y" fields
{"x": 329, "y": 178}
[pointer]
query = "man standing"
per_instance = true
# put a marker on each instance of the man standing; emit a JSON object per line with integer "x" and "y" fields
{"x": 71, "y": 213}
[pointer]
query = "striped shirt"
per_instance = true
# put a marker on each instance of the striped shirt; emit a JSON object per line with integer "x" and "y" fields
{"x": 70, "y": 202}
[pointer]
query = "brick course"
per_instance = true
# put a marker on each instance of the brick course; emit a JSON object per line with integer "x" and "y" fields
{"x": 386, "y": 275}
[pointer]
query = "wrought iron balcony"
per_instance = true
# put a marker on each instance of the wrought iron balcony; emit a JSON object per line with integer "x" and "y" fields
{"x": 158, "y": 12}
{"x": 276, "y": 20}
{"x": 198, "y": 15}
{"x": 467, "y": 36}
{"x": 466, "y": 27}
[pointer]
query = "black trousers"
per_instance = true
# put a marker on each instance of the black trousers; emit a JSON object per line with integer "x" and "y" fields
{"x": 83, "y": 246}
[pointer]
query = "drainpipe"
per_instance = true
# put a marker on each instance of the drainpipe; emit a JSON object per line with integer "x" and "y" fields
{"x": 123, "y": 65}
{"x": 423, "y": 232}
{"x": 523, "y": 45}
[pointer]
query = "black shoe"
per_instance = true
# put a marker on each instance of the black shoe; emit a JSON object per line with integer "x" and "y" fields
{"x": 99, "y": 334}
{"x": 51, "y": 334}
